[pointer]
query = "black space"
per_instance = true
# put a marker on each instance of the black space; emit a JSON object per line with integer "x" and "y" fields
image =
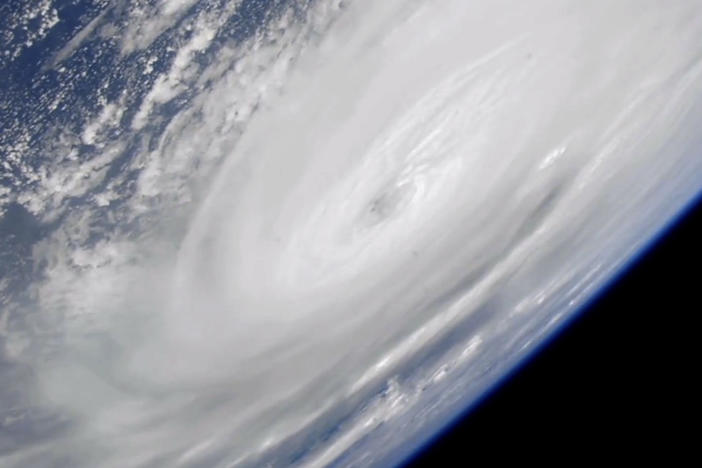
{"x": 617, "y": 382}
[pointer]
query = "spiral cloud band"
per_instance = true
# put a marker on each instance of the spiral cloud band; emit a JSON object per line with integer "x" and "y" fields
{"x": 367, "y": 212}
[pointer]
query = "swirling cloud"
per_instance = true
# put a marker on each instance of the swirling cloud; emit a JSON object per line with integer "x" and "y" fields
{"x": 415, "y": 192}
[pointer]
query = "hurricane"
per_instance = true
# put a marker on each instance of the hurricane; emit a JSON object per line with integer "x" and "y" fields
{"x": 307, "y": 232}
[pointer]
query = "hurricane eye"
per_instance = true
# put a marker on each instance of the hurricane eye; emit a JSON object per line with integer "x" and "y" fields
{"x": 386, "y": 205}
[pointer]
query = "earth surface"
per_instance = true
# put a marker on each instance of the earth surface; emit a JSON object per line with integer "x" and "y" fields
{"x": 314, "y": 232}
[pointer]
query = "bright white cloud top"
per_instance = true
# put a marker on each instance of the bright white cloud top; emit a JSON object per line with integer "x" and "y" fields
{"x": 362, "y": 216}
